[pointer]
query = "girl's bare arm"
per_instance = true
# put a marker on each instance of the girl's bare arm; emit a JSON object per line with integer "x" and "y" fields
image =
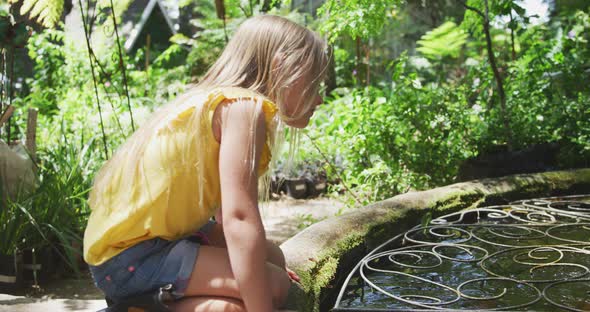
{"x": 242, "y": 140}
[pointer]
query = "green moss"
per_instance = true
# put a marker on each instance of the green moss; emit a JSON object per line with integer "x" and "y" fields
{"x": 395, "y": 222}
{"x": 542, "y": 184}
{"x": 564, "y": 179}
{"x": 455, "y": 201}
{"x": 322, "y": 273}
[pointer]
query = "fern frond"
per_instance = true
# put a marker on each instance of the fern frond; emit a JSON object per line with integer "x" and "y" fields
{"x": 45, "y": 12}
{"x": 445, "y": 40}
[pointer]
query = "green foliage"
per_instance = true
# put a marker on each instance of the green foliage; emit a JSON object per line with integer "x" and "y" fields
{"x": 12, "y": 224}
{"x": 355, "y": 18}
{"x": 208, "y": 44}
{"x": 472, "y": 20}
{"x": 344, "y": 67}
{"x": 545, "y": 89}
{"x": 506, "y": 7}
{"x": 57, "y": 210}
{"x": 50, "y": 71}
{"x": 414, "y": 133}
{"x": 393, "y": 138}
{"x": 306, "y": 220}
{"x": 68, "y": 149}
{"x": 46, "y": 12}
{"x": 55, "y": 213}
{"x": 63, "y": 90}
{"x": 445, "y": 40}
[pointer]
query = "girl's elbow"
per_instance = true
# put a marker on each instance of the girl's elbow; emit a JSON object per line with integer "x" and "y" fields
{"x": 241, "y": 223}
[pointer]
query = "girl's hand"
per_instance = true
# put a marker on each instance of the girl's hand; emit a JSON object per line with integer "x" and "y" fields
{"x": 293, "y": 276}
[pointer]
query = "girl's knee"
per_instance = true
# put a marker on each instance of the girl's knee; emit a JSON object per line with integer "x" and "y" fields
{"x": 280, "y": 284}
{"x": 207, "y": 304}
{"x": 275, "y": 254}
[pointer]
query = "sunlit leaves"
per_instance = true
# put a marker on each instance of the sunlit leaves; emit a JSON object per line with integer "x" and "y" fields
{"x": 46, "y": 12}
{"x": 445, "y": 40}
{"x": 356, "y": 18}
{"x": 505, "y": 7}
{"x": 471, "y": 20}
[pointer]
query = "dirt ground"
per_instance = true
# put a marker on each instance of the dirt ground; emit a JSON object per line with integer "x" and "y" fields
{"x": 282, "y": 219}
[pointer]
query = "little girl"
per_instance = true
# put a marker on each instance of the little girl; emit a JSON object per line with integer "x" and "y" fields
{"x": 201, "y": 156}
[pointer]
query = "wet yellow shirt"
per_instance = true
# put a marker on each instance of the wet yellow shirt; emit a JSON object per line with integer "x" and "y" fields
{"x": 164, "y": 201}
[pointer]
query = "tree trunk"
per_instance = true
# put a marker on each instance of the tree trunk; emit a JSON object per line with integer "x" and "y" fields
{"x": 358, "y": 59}
{"x": 512, "y": 36}
{"x": 266, "y": 5}
{"x": 220, "y": 9}
{"x": 497, "y": 76}
{"x": 331, "y": 82}
{"x": 10, "y": 94}
{"x": 368, "y": 59}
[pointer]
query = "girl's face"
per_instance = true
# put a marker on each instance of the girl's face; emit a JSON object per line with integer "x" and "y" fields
{"x": 294, "y": 104}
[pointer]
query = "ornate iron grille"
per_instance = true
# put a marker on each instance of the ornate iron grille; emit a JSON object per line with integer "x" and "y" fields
{"x": 528, "y": 255}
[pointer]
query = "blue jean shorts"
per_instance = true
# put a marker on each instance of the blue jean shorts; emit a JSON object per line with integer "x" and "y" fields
{"x": 149, "y": 265}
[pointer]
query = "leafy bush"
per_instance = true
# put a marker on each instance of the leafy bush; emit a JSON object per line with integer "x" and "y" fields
{"x": 55, "y": 213}
{"x": 394, "y": 139}
{"x": 415, "y": 133}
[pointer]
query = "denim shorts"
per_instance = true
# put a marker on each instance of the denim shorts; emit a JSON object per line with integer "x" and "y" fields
{"x": 149, "y": 265}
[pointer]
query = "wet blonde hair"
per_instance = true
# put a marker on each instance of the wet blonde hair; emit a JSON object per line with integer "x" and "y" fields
{"x": 267, "y": 54}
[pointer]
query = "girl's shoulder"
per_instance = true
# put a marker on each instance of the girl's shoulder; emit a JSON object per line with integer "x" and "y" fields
{"x": 184, "y": 105}
{"x": 234, "y": 93}
{"x": 238, "y": 92}
{"x": 220, "y": 94}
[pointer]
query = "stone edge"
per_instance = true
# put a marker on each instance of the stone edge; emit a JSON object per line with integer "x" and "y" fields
{"x": 334, "y": 245}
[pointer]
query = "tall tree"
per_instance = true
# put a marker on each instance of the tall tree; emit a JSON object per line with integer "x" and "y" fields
{"x": 485, "y": 16}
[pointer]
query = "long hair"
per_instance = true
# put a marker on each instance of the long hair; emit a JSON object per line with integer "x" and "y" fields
{"x": 267, "y": 54}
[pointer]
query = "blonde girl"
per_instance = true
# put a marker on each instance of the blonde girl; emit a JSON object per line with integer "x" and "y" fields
{"x": 201, "y": 156}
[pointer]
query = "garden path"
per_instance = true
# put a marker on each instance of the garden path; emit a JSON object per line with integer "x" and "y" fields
{"x": 282, "y": 218}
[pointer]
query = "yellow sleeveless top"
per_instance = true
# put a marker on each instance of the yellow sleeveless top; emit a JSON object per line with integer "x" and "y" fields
{"x": 164, "y": 201}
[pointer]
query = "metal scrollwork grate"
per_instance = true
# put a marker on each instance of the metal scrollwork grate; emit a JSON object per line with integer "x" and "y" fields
{"x": 528, "y": 255}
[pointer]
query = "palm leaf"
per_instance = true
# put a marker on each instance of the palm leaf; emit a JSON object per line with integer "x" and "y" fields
{"x": 45, "y": 12}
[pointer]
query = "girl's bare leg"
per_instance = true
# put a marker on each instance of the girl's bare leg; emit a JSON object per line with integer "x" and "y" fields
{"x": 208, "y": 304}
{"x": 212, "y": 277}
{"x": 274, "y": 253}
